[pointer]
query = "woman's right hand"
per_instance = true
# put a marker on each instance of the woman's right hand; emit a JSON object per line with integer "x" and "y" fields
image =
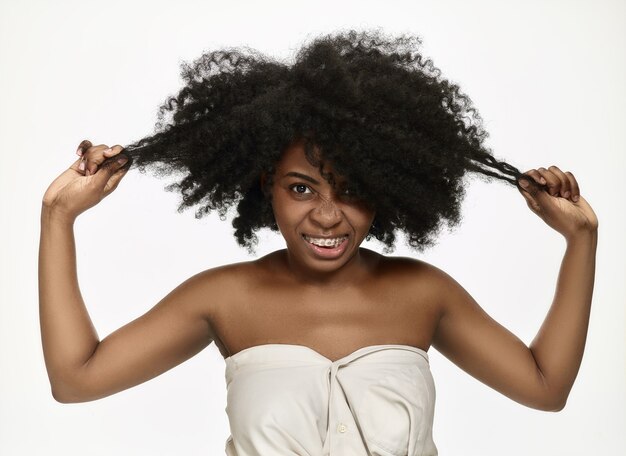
{"x": 82, "y": 186}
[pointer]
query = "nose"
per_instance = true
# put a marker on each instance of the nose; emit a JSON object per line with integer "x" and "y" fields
{"x": 326, "y": 214}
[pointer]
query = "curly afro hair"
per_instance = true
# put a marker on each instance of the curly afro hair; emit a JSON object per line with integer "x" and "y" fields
{"x": 372, "y": 105}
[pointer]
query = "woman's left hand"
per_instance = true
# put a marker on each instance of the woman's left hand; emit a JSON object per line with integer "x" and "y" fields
{"x": 554, "y": 196}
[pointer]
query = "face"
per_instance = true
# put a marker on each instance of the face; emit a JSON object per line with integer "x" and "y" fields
{"x": 322, "y": 226}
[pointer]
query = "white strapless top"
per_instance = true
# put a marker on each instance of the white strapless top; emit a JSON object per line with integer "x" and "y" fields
{"x": 288, "y": 399}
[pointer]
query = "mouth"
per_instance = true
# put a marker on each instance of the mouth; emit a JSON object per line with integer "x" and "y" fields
{"x": 328, "y": 248}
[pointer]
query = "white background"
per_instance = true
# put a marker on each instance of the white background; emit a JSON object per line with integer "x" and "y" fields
{"x": 548, "y": 77}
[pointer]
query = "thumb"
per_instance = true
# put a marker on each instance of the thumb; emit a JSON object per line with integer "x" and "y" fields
{"x": 532, "y": 191}
{"x": 111, "y": 172}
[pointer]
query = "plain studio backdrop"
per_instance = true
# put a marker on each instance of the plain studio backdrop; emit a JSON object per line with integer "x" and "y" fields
{"x": 548, "y": 79}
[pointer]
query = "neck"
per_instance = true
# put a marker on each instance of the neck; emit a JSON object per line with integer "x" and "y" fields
{"x": 355, "y": 270}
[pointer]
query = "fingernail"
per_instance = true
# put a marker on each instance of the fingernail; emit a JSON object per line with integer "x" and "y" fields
{"x": 523, "y": 183}
{"x": 542, "y": 180}
{"x": 122, "y": 160}
{"x": 107, "y": 151}
{"x": 576, "y": 198}
{"x": 566, "y": 195}
{"x": 82, "y": 166}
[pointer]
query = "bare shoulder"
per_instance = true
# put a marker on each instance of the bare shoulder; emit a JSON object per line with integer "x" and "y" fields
{"x": 419, "y": 282}
{"x": 408, "y": 272}
{"x": 231, "y": 282}
{"x": 223, "y": 281}
{"x": 223, "y": 274}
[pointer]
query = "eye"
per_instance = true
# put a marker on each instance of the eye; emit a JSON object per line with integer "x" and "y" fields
{"x": 347, "y": 194}
{"x": 300, "y": 189}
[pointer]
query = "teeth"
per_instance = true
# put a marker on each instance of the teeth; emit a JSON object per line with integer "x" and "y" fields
{"x": 325, "y": 242}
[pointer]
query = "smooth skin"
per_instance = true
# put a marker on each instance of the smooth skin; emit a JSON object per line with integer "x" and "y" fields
{"x": 290, "y": 296}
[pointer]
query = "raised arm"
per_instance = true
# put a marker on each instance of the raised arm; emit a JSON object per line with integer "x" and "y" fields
{"x": 541, "y": 375}
{"x": 80, "y": 366}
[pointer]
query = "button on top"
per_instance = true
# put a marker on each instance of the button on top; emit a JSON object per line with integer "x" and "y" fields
{"x": 342, "y": 427}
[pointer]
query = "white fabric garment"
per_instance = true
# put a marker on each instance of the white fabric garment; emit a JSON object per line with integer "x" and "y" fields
{"x": 288, "y": 399}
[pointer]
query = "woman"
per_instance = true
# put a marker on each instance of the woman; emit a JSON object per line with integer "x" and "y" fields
{"x": 325, "y": 342}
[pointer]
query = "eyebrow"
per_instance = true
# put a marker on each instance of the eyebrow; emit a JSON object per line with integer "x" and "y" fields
{"x": 301, "y": 176}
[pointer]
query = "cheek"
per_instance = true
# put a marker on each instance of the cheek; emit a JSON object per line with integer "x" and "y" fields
{"x": 360, "y": 219}
{"x": 288, "y": 211}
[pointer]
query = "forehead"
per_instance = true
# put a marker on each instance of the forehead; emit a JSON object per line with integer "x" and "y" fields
{"x": 294, "y": 158}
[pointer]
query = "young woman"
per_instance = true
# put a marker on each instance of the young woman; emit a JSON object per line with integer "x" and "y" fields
{"x": 325, "y": 342}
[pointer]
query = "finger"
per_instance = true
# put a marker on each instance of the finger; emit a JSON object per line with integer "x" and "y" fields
{"x": 530, "y": 182}
{"x": 108, "y": 169}
{"x": 83, "y": 146}
{"x": 573, "y": 186}
{"x": 532, "y": 190}
{"x": 526, "y": 188}
{"x": 564, "y": 185}
{"x": 536, "y": 176}
{"x": 93, "y": 158}
{"x": 76, "y": 165}
{"x": 113, "y": 151}
{"x": 553, "y": 183}
{"x": 531, "y": 202}
{"x": 114, "y": 180}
